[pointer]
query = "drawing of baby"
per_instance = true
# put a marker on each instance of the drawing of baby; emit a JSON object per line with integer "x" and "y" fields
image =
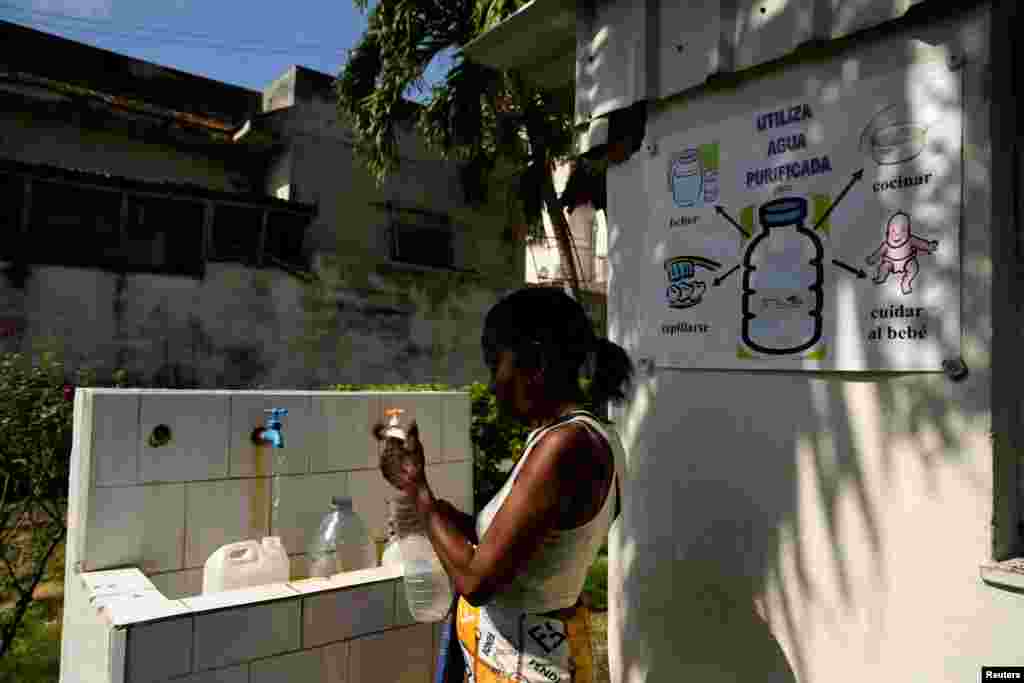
{"x": 898, "y": 252}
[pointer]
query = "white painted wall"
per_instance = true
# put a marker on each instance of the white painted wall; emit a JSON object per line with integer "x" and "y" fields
{"x": 813, "y": 528}
{"x": 143, "y": 520}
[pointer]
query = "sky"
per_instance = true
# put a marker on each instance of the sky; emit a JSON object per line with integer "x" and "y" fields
{"x": 243, "y": 43}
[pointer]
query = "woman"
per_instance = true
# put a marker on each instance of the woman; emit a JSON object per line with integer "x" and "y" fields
{"x": 520, "y": 565}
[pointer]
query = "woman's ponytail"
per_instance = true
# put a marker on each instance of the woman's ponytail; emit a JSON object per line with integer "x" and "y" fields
{"x": 613, "y": 372}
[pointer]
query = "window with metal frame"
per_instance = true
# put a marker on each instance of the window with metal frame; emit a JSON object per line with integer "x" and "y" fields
{"x": 422, "y": 238}
{"x": 236, "y": 234}
{"x": 163, "y": 235}
{"x": 73, "y": 225}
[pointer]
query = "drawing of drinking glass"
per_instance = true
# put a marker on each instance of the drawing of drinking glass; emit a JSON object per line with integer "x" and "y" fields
{"x": 687, "y": 178}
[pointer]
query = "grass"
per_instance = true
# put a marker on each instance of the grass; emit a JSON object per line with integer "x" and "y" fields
{"x": 595, "y": 588}
{"x": 35, "y": 655}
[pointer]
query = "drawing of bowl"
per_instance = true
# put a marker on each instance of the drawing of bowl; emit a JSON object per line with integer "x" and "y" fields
{"x": 892, "y": 137}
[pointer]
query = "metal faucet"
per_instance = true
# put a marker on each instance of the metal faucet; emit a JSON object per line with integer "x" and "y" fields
{"x": 271, "y": 432}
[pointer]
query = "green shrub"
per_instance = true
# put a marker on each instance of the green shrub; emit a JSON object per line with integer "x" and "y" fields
{"x": 595, "y": 588}
{"x": 35, "y": 464}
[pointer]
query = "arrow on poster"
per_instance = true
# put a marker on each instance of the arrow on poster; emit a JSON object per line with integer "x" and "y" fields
{"x": 850, "y": 269}
{"x": 824, "y": 217}
{"x": 726, "y": 216}
{"x": 719, "y": 280}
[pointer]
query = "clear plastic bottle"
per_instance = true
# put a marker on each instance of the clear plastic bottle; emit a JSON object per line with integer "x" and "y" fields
{"x": 392, "y": 555}
{"x": 342, "y": 543}
{"x": 428, "y": 590}
{"x": 782, "y": 281}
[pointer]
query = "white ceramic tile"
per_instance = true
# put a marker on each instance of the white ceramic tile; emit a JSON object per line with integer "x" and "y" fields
{"x": 115, "y": 438}
{"x": 118, "y": 655}
{"x": 231, "y": 674}
{"x": 344, "y": 614}
{"x": 236, "y": 635}
{"x": 425, "y": 409}
{"x": 290, "y": 668}
{"x": 372, "y": 658}
{"x": 159, "y": 651}
{"x": 362, "y": 577}
{"x": 181, "y": 584}
{"x": 198, "y": 448}
{"x": 305, "y": 499}
{"x": 346, "y": 421}
{"x": 303, "y": 434}
{"x": 335, "y": 663}
{"x": 456, "y": 420}
{"x": 222, "y": 512}
{"x": 115, "y": 582}
{"x": 453, "y": 481}
{"x": 370, "y": 492}
{"x": 137, "y": 607}
{"x": 136, "y": 526}
{"x": 239, "y": 597}
{"x": 85, "y": 637}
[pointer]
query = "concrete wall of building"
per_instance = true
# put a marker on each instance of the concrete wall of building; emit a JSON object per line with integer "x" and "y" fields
{"x": 365, "y": 320}
{"x": 403, "y": 322}
{"x": 789, "y": 526}
{"x": 31, "y": 136}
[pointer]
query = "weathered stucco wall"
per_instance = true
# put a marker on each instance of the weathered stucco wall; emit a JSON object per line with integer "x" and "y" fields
{"x": 364, "y": 319}
{"x": 243, "y": 328}
{"x": 791, "y": 526}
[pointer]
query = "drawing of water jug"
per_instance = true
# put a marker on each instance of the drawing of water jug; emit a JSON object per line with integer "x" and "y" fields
{"x": 782, "y": 281}
{"x": 686, "y": 177}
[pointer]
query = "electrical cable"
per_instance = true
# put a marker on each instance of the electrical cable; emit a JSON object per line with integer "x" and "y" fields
{"x": 143, "y": 27}
{"x": 103, "y": 28}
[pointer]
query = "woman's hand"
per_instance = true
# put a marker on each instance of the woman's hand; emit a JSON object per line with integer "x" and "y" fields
{"x": 402, "y": 463}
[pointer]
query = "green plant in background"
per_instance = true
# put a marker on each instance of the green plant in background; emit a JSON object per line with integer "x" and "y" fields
{"x": 35, "y": 457}
{"x": 35, "y": 466}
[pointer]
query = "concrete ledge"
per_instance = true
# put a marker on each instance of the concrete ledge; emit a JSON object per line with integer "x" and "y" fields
{"x": 126, "y": 597}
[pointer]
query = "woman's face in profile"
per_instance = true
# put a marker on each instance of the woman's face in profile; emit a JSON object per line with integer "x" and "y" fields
{"x": 508, "y": 383}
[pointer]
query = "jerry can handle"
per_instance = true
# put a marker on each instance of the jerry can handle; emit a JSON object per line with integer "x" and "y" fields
{"x": 241, "y": 553}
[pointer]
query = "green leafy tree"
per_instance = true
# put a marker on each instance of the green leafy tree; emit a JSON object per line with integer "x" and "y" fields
{"x": 486, "y": 119}
{"x": 35, "y": 448}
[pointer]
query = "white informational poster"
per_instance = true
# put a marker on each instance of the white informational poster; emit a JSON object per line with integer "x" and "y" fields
{"x": 819, "y": 233}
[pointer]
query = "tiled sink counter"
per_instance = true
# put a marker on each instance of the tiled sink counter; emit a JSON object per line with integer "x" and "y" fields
{"x": 142, "y": 520}
{"x": 351, "y": 627}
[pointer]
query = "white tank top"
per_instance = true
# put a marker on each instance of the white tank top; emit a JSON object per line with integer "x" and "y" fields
{"x": 554, "y": 578}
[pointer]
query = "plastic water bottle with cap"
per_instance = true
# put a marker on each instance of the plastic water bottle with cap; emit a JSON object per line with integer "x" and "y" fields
{"x": 342, "y": 544}
{"x": 428, "y": 590}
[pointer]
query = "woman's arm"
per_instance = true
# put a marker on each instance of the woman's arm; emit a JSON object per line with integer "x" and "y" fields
{"x": 464, "y": 523}
{"x": 529, "y": 512}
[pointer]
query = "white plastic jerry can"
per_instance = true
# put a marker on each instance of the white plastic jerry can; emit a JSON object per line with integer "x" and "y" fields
{"x": 246, "y": 564}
